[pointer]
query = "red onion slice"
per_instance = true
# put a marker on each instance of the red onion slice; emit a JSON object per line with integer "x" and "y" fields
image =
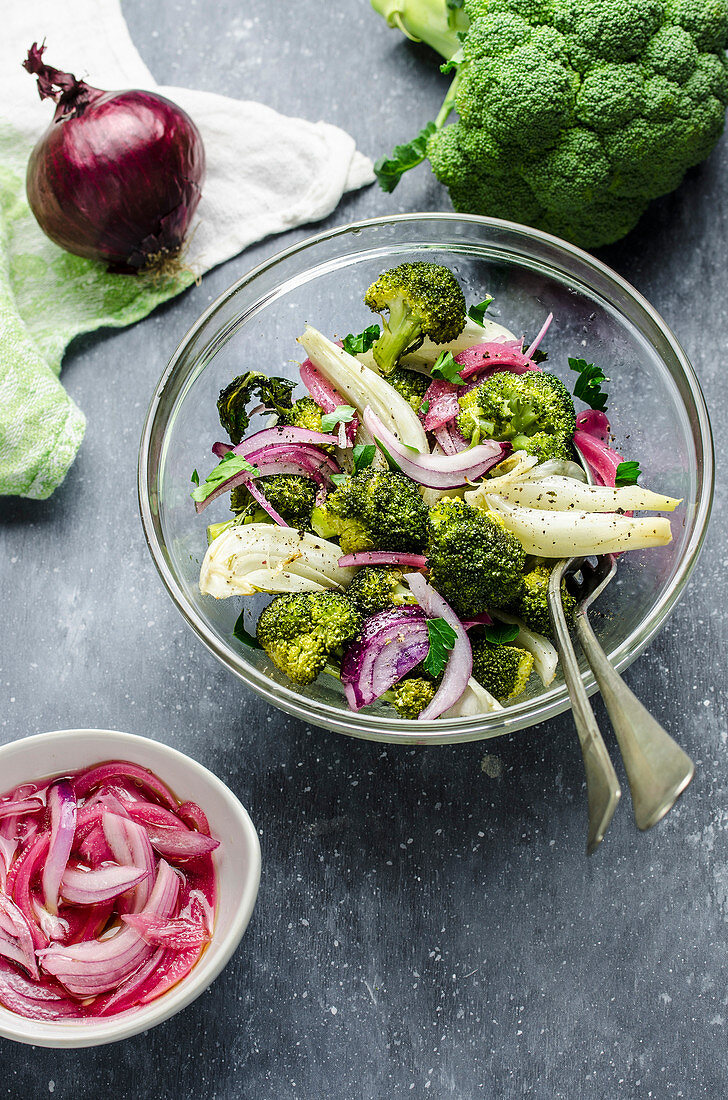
{"x": 15, "y": 929}
{"x": 390, "y": 644}
{"x": 62, "y": 807}
{"x": 452, "y": 441}
{"x": 131, "y": 847}
{"x": 542, "y": 332}
{"x": 300, "y": 458}
{"x": 383, "y": 557}
{"x": 127, "y": 995}
{"x": 265, "y": 504}
{"x": 460, "y": 663}
{"x": 194, "y": 817}
{"x": 122, "y": 771}
{"x": 595, "y": 422}
{"x": 602, "y": 460}
{"x": 326, "y": 395}
{"x": 288, "y": 435}
{"x": 179, "y": 934}
{"x": 433, "y": 470}
{"x": 34, "y": 1001}
{"x": 492, "y": 357}
{"x": 17, "y": 808}
{"x": 102, "y": 884}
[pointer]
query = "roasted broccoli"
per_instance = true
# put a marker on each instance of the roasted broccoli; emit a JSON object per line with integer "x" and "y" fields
{"x": 410, "y": 696}
{"x": 532, "y": 604}
{"x": 573, "y": 114}
{"x": 474, "y": 562}
{"x": 503, "y": 670}
{"x": 299, "y": 631}
{"x": 421, "y": 299}
{"x": 232, "y": 404}
{"x": 291, "y": 495}
{"x": 376, "y": 588}
{"x": 374, "y": 510}
{"x": 533, "y": 411}
{"x": 304, "y": 413}
{"x": 411, "y": 385}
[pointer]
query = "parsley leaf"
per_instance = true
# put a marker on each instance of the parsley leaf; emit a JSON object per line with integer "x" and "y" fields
{"x": 355, "y": 344}
{"x": 446, "y": 368}
{"x": 588, "y": 385}
{"x": 342, "y": 414}
{"x": 363, "y": 455}
{"x": 195, "y": 479}
{"x": 391, "y": 462}
{"x": 230, "y": 464}
{"x": 477, "y": 313}
{"x": 389, "y": 170}
{"x": 627, "y": 474}
{"x": 425, "y": 407}
{"x": 501, "y": 633}
{"x": 339, "y": 479}
{"x": 442, "y": 638}
{"x": 242, "y": 634}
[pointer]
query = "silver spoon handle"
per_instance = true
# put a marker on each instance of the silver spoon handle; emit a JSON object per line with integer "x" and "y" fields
{"x": 657, "y": 768}
{"x": 602, "y": 785}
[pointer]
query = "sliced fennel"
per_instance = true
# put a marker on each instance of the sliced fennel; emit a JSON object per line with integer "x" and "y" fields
{"x": 564, "y": 494}
{"x": 574, "y": 533}
{"x": 474, "y": 700}
{"x": 362, "y": 387}
{"x": 262, "y": 557}
{"x": 472, "y": 334}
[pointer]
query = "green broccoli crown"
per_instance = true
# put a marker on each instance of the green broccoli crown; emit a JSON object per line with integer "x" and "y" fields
{"x": 421, "y": 299}
{"x": 410, "y": 384}
{"x": 376, "y": 588}
{"x": 291, "y": 495}
{"x": 532, "y": 606}
{"x": 374, "y": 510}
{"x": 503, "y": 670}
{"x": 300, "y": 631}
{"x": 304, "y": 413}
{"x": 232, "y": 404}
{"x": 474, "y": 562}
{"x": 411, "y": 695}
{"x": 533, "y": 411}
{"x": 575, "y": 114}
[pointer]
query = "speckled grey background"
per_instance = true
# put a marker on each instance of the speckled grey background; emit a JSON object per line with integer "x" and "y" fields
{"x": 427, "y": 923}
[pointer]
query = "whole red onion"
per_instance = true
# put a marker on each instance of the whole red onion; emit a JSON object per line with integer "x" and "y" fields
{"x": 116, "y": 176}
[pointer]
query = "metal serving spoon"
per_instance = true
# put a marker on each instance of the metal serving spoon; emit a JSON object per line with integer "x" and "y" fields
{"x": 657, "y": 768}
{"x": 602, "y": 786}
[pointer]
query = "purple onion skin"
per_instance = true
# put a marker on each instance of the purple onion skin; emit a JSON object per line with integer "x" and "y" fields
{"x": 117, "y": 176}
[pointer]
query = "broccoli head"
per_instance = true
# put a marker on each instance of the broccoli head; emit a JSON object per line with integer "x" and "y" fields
{"x": 232, "y": 404}
{"x": 304, "y": 413}
{"x": 421, "y": 299}
{"x": 474, "y": 562}
{"x": 534, "y": 411}
{"x": 291, "y": 495}
{"x": 374, "y": 510}
{"x": 503, "y": 670}
{"x": 299, "y": 631}
{"x": 410, "y": 384}
{"x": 532, "y": 606}
{"x": 376, "y": 588}
{"x": 573, "y": 114}
{"x": 410, "y": 696}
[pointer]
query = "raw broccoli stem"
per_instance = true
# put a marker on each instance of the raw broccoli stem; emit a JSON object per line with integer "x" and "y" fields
{"x": 402, "y": 329}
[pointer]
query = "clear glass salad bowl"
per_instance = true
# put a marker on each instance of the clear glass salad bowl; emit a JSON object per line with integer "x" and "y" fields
{"x": 656, "y": 409}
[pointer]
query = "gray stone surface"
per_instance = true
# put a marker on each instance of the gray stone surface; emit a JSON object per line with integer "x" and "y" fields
{"x": 427, "y": 923}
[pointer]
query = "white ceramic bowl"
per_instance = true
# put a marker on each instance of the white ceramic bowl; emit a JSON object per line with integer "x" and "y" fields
{"x": 237, "y": 867}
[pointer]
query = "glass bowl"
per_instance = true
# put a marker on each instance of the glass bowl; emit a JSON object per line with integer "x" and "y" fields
{"x": 657, "y": 412}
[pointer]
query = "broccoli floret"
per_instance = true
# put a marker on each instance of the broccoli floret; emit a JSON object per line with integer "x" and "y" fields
{"x": 304, "y": 413}
{"x": 474, "y": 562}
{"x": 410, "y": 384}
{"x": 374, "y": 510}
{"x": 376, "y": 588}
{"x": 534, "y": 411}
{"x": 503, "y": 670}
{"x": 573, "y": 114}
{"x": 532, "y": 603}
{"x": 421, "y": 299}
{"x": 291, "y": 495}
{"x": 232, "y": 404}
{"x": 299, "y": 631}
{"x": 411, "y": 695}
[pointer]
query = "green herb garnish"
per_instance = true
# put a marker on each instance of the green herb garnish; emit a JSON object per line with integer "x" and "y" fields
{"x": 195, "y": 479}
{"x": 501, "y": 633}
{"x": 389, "y": 170}
{"x": 442, "y": 638}
{"x": 627, "y": 474}
{"x": 357, "y": 343}
{"x": 391, "y": 462}
{"x": 342, "y": 414}
{"x": 243, "y": 635}
{"x": 477, "y": 313}
{"x": 339, "y": 479}
{"x": 229, "y": 465}
{"x": 363, "y": 455}
{"x": 446, "y": 368}
{"x": 588, "y": 385}
{"x": 425, "y": 407}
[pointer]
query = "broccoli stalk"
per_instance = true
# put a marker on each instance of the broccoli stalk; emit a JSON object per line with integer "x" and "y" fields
{"x": 420, "y": 299}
